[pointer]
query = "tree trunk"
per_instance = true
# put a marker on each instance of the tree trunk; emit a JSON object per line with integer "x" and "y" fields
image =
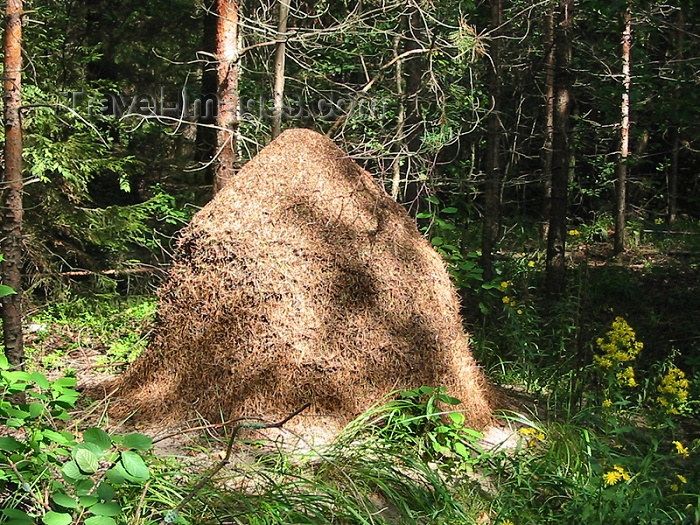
{"x": 205, "y": 140}
{"x": 679, "y": 41}
{"x": 623, "y": 158}
{"x": 399, "y": 144}
{"x": 492, "y": 190}
{"x": 414, "y": 69}
{"x": 227, "y": 51}
{"x": 556, "y": 237}
{"x": 549, "y": 118}
{"x": 12, "y": 185}
{"x": 280, "y": 57}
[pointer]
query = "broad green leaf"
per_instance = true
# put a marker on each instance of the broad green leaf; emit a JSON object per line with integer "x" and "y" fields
{"x": 137, "y": 441}
{"x": 457, "y": 418}
{"x": 40, "y": 380}
{"x": 16, "y": 514}
{"x": 84, "y": 487}
{"x": 6, "y": 290}
{"x": 461, "y": 449}
{"x": 106, "y": 509}
{"x": 98, "y": 437}
{"x": 71, "y": 470}
{"x": 35, "y": 409}
{"x": 91, "y": 447}
{"x": 88, "y": 501}
{"x": 9, "y": 443}
{"x": 64, "y": 500}
{"x": 100, "y": 520}
{"x": 117, "y": 474}
{"x": 57, "y": 518}
{"x": 437, "y": 241}
{"x": 105, "y": 491}
{"x": 450, "y": 210}
{"x": 87, "y": 461}
{"x": 134, "y": 465}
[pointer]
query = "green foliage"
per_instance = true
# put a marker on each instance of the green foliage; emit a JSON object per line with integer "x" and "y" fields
{"x": 49, "y": 473}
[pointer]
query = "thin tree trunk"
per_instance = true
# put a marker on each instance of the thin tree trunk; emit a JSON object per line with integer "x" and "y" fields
{"x": 399, "y": 143}
{"x": 676, "y": 130}
{"x": 623, "y": 158}
{"x": 227, "y": 52}
{"x": 492, "y": 190}
{"x": 280, "y": 57}
{"x": 12, "y": 185}
{"x": 205, "y": 140}
{"x": 549, "y": 118}
{"x": 673, "y": 176}
{"x": 556, "y": 238}
{"x": 414, "y": 69}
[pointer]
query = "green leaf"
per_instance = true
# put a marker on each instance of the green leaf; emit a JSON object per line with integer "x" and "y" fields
{"x": 134, "y": 465}
{"x": 64, "y": 382}
{"x": 57, "y": 518}
{"x": 450, "y": 210}
{"x": 71, "y": 471}
{"x": 433, "y": 200}
{"x": 16, "y": 514}
{"x": 35, "y": 409}
{"x": 105, "y": 491}
{"x": 87, "y": 461}
{"x": 106, "y": 509}
{"x": 91, "y": 447}
{"x": 9, "y": 443}
{"x": 117, "y": 474}
{"x": 461, "y": 449}
{"x": 137, "y": 441}
{"x": 40, "y": 380}
{"x": 437, "y": 241}
{"x": 457, "y": 418}
{"x": 64, "y": 500}
{"x": 58, "y": 437}
{"x": 6, "y": 290}
{"x": 84, "y": 487}
{"x": 449, "y": 400}
{"x": 98, "y": 437}
{"x": 100, "y": 520}
{"x": 88, "y": 501}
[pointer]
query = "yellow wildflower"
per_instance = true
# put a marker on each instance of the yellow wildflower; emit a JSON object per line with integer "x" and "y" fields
{"x": 520, "y": 312}
{"x": 681, "y": 449}
{"x": 682, "y": 479}
{"x": 507, "y": 522}
{"x": 574, "y": 232}
{"x": 607, "y": 403}
{"x": 612, "y": 477}
{"x": 674, "y": 487}
{"x": 505, "y": 299}
{"x": 658, "y": 220}
{"x": 531, "y": 264}
{"x": 512, "y": 303}
{"x": 625, "y": 475}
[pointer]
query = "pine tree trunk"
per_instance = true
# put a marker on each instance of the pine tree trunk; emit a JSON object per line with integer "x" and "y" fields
{"x": 623, "y": 157}
{"x": 492, "y": 190}
{"x": 556, "y": 237}
{"x": 12, "y": 185}
{"x": 227, "y": 51}
{"x": 280, "y": 57}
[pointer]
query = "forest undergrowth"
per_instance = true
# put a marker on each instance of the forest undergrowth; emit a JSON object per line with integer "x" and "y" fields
{"x": 606, "y": 431}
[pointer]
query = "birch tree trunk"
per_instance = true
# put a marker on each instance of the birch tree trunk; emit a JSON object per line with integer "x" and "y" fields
{"x": 623, "y": 157}
{"x": 12, "y": 184}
